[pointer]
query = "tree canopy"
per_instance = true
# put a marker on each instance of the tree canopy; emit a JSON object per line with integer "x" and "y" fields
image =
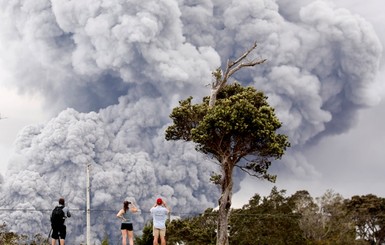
{"x": 241, "y": 126}
{"x": 296, "y": 219}
{"x": 240, "y": 130}
{"x": 234, "y": 125}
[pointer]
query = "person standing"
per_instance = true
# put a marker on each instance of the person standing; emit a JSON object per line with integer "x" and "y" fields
{"x": 159, "y": 216}
{"x": 59, "y": 214}
{"x": 126, "y": 227}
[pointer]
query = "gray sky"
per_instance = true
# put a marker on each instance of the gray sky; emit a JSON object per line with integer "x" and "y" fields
{"x": 349, "y": 163}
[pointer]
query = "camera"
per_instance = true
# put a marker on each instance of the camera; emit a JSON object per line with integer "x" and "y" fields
{"x": 129, "y": 202}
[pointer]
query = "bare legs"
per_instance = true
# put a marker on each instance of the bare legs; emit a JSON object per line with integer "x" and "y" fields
{"x": 62, "y": 241}
{"x": 127, "y": 234}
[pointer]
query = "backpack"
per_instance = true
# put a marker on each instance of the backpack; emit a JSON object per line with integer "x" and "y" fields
{"x": 57, "y": 216}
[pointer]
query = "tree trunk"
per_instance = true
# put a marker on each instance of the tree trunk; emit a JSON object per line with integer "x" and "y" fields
{"x": 227, "y": 165}
{"x": 225, "y": 204}
{"x": 213, "y": 96}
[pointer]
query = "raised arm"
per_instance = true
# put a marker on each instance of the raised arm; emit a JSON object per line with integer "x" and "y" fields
{"x": 165, "y": 205}
{"x": 133, "y": 208}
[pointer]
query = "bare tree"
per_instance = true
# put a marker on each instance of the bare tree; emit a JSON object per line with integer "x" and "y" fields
{"x": 220, "y": 78}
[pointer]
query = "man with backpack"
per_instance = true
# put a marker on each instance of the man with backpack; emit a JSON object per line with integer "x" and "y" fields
{"x": 58, "y": 216}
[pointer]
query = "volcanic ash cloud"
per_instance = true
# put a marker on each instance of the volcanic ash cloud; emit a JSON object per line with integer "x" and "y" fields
{"x": 122, "y": 67}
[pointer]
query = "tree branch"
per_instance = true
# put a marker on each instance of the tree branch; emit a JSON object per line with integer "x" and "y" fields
{"x": 259, "y": 176}
{"x": 231, "y": 68}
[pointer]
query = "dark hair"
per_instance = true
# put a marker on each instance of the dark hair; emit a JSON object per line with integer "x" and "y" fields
{"x": 125, "y": 205}
{"x": 61, "y": 201}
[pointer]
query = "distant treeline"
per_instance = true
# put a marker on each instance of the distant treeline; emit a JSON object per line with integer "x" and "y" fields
{"x": 296, "y": 219}
{"x": 272, "y": 220}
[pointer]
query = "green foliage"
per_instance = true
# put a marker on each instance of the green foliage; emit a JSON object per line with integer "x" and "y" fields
{"x": 195, "y": 230}
{"x": 10, "y": 238}
{"x": 105, "y": 240}
{"x": 303, "y": 204}
{"x": 147, "y": 237}
{"x": 215, "y": 178}
{"x": 277, "y": 219}
{"x": 186, "y": 117}
{"x": 238, "y": 129}
{"x": 217, "y": 74}
{"x": 241, "y": 125}
{"x": 268, "y": 220}
{"x": 368, "y": 214}
{"x": 39, "y": 239}
{"x": 7, "y": 237}
{"x": 324, "y": 221}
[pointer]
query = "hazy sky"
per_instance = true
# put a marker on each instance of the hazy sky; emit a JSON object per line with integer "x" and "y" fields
{"x": 349, "y": 163}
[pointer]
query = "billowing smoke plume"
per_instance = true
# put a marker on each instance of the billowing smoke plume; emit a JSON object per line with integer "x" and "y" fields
{"x": 123, "y": 65}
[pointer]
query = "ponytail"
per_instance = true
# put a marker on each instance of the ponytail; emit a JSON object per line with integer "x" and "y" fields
{"x": 125, "y": 206}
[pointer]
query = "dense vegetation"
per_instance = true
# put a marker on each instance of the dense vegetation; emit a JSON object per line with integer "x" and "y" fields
{"x": 296, "y": 219}
{"x": 273, "y": 220}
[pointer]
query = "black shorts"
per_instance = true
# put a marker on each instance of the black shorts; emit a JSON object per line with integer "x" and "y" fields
{"x": 126, "y": 226}
{"x": 59, "y": 232}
